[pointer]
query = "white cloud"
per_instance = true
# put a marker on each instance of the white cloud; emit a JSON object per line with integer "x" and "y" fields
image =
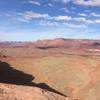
{"x": 83, "y": 20}
{"x": 74, "y": 25}
{"x": 86, "y": 21}
{"x": 29, "y": 15}
{"x": 34, "y": 2}
{"x": 97, "y": 21}
{"x": 48, "y": 23}
{"x": 64, "y": 18}
{"x": 87, "y": 2}
{"x": 82, "y": 14}
{"x": 82, "y": 2}
{"x": 64, "y": 25}
{"x": 79, "y": 19}
{"x": 95, "y": 15}
{"x": 89, "y": 14}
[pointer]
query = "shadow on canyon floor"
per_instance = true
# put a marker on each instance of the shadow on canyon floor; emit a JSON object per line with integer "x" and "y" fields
{"x": 13, "y": 76}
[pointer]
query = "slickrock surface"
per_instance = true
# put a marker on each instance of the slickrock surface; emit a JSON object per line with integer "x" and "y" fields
{"x": 14, "y": 92}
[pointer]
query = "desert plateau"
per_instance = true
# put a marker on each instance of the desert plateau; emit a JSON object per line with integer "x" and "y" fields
{"x": 66, "y": 67}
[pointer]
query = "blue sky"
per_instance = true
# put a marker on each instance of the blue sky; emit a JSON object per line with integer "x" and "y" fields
{"x": 28, "y": 20}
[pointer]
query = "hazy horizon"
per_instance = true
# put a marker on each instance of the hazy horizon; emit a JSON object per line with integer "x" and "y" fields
{"x": 47, "y": 39}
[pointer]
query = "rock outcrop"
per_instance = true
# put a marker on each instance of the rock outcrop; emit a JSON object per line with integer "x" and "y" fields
{"x": 16, "y": 92}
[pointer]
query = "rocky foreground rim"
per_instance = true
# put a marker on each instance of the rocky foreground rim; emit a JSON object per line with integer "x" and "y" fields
{"x": 15, "y": 92}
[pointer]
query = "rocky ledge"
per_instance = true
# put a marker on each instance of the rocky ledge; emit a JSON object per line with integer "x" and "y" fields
{"x": 19, "y": 92}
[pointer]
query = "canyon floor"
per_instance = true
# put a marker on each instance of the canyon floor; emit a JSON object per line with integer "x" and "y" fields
{"x": 67, "y": 67}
